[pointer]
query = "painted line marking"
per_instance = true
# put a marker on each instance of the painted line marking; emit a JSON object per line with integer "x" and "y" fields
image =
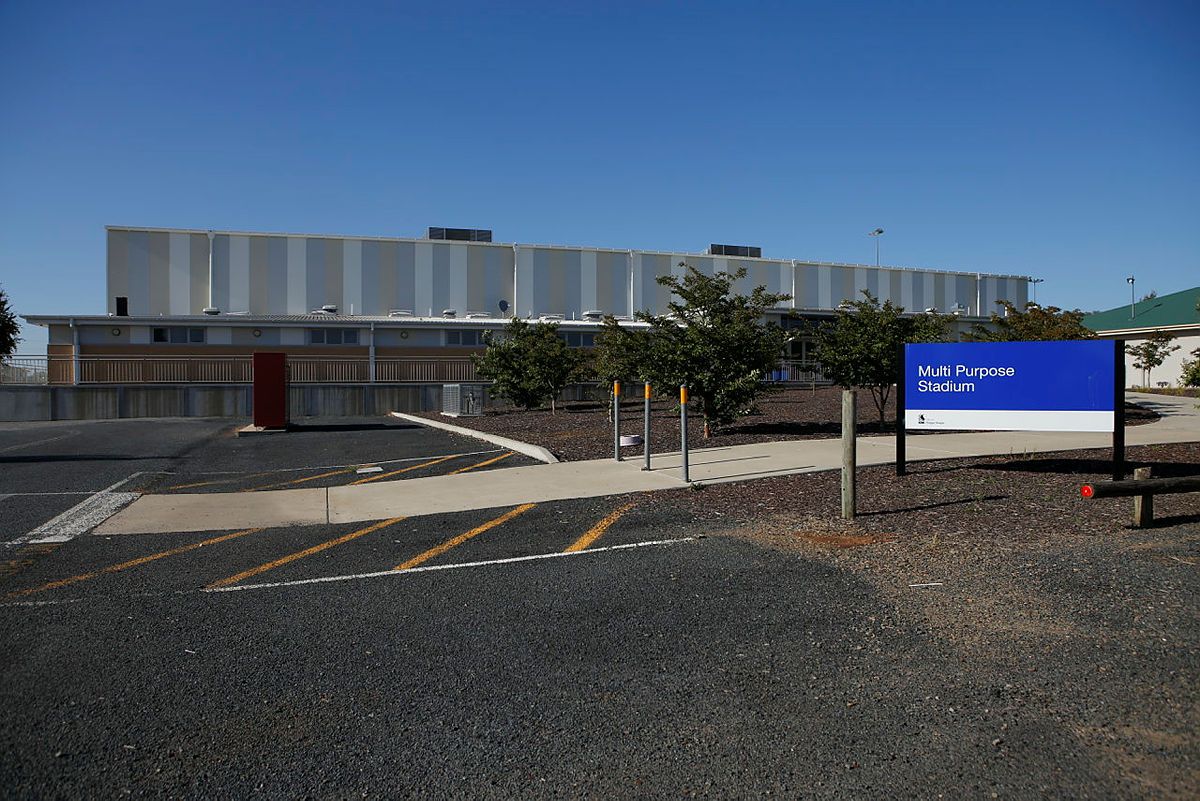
{"x": 597, "y": 531}
{"x": 454, "y": 542}
{"x": 484, "y": 463}
{"x": 363, "y": 470}
{"x": 141, "y": 560}
{"x": 303, "y": 480}
{"x": 458, "y": 566}
{"x": 23, "y": 445}
{"x": 404, "y": 470}
{"x": 243, "y": 474}
{"x": 292, "y": 557}
{"x": 83, "y": 516}
{"x": 209, "y": 483}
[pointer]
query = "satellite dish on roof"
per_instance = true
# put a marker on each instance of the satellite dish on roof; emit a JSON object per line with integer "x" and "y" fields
{"x": 503, "y": 305}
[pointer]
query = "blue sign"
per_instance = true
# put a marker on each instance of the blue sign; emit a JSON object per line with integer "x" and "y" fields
{"x": 1010, "y": 386}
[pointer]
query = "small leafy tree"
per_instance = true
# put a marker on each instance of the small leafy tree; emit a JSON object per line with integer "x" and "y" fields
{"x": 860, "y": 347}
{"x": 1190, "y": 377}
{"x": 1032, "y": 323}
{"x": 1151, "y": 353}
{"x": 529, "y": 364}
{"x": 9, "y": 327}
{"x": 712, "y": 339}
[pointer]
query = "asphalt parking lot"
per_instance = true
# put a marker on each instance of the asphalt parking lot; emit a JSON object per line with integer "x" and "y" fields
{"x": 604, "y": 647}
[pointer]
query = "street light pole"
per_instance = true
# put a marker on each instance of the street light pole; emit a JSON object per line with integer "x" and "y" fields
{"x": 1132, "y": 295}
{"x": 876, "y": 234}
{"x": 1035, "y": 282}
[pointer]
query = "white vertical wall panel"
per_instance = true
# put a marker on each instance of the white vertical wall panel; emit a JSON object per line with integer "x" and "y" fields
{"x": 423, "y": 277}
{"x": 825, "y": 287}
{"x": 587, "y": 280}
{"x": 180, "y": 273}
{"x": 352, "y": 279}
{"x": 456, "y": 284}
{"x": 239, "y": 273}
{"x": 525, "y": 288}
{"x": 297, "y": 278}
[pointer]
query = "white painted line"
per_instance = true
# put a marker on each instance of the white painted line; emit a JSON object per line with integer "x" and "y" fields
{"x": 459, "y": 566}
{"x": 363, "y": 470}
{"x": 82, "y": 517}
{"x": 43, "y": 603}
{"x": 930, "y": 584}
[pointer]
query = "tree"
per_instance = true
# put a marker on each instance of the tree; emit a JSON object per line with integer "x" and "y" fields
{"x": 1032, "y": 323}
{"x": 860, "y": 347}
{"x": 529, "y": 364}
{"x": 712, "y": 339}
{"x": 1190, "y": 377}
{"x": 1151, "y": 353}
{"x": 10, "y": 328}
{"x": 1151, "y": 295}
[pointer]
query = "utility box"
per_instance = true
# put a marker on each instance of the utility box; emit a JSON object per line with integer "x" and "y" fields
{"x": 270, "y": 390}
{"x": 462, "y": 400}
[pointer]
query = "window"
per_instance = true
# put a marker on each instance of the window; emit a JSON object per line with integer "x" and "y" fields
{"x": 467, "y": 339}
{"x": 577, "y": 339}
{"x": 333, "y": 336}
{"x": 178, "y": 335}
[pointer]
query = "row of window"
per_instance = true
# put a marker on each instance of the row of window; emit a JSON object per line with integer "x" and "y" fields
{"x": 182, "y": 335}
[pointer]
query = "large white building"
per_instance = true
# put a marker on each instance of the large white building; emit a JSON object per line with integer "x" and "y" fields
{"x": 185, "y": 292}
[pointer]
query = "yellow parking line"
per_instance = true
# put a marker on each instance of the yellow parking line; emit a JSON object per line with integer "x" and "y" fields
{"x": 141, "y": 560}
{"x": 454, "y": 542}
{"x": 309, "y": 478}
{"x": 292, "y": 557}
{"x": 596, "y": 531}
{"x": 219, "y": 481}
{"x": 369, "y": 479}
{"x": 484, "y": 463}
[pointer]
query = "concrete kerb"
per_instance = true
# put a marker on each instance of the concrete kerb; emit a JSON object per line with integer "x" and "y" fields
{"x": 528, "y": 449}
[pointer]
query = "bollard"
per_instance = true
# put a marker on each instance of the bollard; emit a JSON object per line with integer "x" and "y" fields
{"x": 683, "y": 400}
{"x": 1143, "y": 505}
{"x": 849, "y": 456}
{"x": 617, "y": 420}
{"x": 646, "y": 428}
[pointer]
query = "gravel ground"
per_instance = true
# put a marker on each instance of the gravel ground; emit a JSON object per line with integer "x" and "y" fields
{"x": 578, "y": 431}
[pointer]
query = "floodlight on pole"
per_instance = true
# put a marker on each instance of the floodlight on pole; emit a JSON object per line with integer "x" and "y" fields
{"x": 1132, "y": 295}
{"x": 878, "y": 232}
{"x": 1035, "y": 282}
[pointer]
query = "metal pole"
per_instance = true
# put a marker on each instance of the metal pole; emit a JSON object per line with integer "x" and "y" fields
{"x": 876, "y": 251}
{"x": 617, "y": 420}
{"x": 849, "y": 456}
{"x": 683, "y": 446}
{"x": 646, "y": 428}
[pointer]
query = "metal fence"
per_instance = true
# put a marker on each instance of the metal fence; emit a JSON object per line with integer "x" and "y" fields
{"x": 302, "y": 370}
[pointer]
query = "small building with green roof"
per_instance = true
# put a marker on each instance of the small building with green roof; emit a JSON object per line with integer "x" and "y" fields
{"x": 1177, "y": 314}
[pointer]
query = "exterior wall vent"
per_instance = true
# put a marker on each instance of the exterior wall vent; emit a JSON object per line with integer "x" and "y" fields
{"x": 743, "y": 251}
{"x": 461, "y": 234}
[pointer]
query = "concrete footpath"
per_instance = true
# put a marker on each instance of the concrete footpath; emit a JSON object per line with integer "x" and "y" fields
{"x": 1180, "y": 422}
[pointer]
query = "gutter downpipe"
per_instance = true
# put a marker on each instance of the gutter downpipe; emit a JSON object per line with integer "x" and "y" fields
{"x": 371, "y": 355}
{"x": 74, "y": 354}
{"x": 210, "y": 270}
{"x": 516, "y": 266}
{"x": 979, "y": 294}
{"x": 793, "y": 283}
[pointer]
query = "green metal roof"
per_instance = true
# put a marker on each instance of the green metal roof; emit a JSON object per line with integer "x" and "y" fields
{"x": 1178, "y": 308}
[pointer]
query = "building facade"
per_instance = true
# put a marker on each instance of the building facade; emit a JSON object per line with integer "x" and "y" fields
{"x": 1176, "y": 314}
{"x": 175, "y": 293}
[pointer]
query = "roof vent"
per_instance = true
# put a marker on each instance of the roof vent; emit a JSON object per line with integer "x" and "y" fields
{"x": 593, "y": 314}
{"x": 449, "y": 312}
{"x": 744, "y": 251}
{"x": 211, "y": 310}
{"x": 400, "y": 313}
{"x": 461, "y": 234}
{"x": 551, "y": 318}
{"x": 330, "y": 308}
{"x": 477, "y": 315}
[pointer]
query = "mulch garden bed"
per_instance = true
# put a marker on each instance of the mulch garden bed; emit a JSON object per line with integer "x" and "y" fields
{"x": 577, "y": 431}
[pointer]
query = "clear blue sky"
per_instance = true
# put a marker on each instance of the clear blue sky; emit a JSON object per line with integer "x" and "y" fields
{"x": 1060, "y": 140}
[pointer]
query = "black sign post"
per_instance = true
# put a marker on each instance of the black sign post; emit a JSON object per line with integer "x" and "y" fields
{"x": 1118, "y": 446}
{"x": 901, "y": 466}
